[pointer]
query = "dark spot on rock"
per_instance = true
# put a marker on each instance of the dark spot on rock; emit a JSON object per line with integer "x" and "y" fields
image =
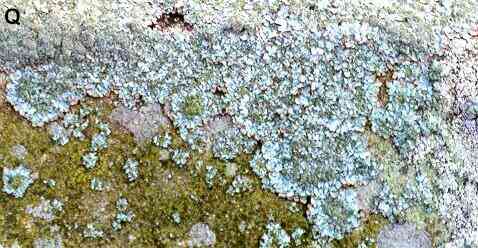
{"x": 219, "y": 91}
{"x": 169, "y": 20}
{"x": 384, "y": 80}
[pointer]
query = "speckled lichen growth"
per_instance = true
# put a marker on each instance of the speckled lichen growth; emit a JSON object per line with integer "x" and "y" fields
{"x": 155, "y": 118}
{"x": 16, "y": 181}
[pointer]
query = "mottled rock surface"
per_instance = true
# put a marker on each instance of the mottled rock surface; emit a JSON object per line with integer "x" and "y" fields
{"x": 351, "y": 108}
{"x": 403, "y": 236}
{"x": 143, "y": 123}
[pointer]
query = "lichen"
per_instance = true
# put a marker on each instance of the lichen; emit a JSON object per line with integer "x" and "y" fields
{"x": 89, "y": 160}
{"x": 275, "y": 235}
{"x": 17, "y": 180}
{"x": 313, "y": 101}
{"x": 123, "y": 215}
{"x": 334, "y": 217}
{"x": 131, "y": 169}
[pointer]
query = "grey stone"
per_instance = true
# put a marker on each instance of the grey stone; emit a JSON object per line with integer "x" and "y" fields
{"x": 403, "y": 236}
{"x": 143, "y": 123}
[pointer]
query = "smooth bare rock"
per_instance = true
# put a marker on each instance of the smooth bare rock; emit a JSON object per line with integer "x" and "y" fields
{"x": 143, "y": 123}
{"x": 403, "y": 236}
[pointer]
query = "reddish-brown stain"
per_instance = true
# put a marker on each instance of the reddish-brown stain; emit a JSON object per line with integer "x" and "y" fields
{"x": 384, "y": 79}
{"x": 168, "y": 20}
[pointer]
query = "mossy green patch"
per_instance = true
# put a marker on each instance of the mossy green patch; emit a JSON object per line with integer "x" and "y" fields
{"x": 161, "y": 190}
{"x": 166, "y": 189}
{"x": 193, "y": 105}
{"x": 15, "y": 130}
{"x": 367, "y": 233}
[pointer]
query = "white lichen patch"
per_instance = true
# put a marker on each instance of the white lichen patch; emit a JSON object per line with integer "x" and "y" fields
{"x": 16, "y": 181}
{"x": 46, "y": 210}
{"x": 275, "y": 236}
{"x": 131, "y": 169}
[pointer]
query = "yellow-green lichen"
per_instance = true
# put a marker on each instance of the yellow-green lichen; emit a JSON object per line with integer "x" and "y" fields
{"x": 193, "y": 106}
{"x": 367, "y": 233}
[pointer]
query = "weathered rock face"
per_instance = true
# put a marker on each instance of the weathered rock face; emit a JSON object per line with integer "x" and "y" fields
{"x": 403, "y": 236}
{"x": 329, "y": 97}
{"x": 143, "y": 123}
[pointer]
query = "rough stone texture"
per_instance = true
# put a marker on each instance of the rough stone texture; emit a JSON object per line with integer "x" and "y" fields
{"x": 337, "y": 95}
{"x": 143, "y": 123}
{"x": 3, "y": 83}
{"x": 403, "y": 236}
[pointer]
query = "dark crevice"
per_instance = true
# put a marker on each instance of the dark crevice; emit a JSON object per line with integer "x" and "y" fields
{"x": 169, "y": 20}
{"x": 219, "y": 91}
{"x": 384, "y": 80}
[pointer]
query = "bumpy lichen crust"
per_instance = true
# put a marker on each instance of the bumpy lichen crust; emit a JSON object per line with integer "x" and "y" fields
{"x": 16, "y": 181}
{"x": 42, "y": 95}
{"x": 311, "y": 83}
{"x": 334, "y": 217}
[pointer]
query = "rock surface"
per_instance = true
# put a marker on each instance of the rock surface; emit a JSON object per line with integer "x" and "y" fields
{"x": 143, "y": 123}
{"x": 403, "y": 236}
